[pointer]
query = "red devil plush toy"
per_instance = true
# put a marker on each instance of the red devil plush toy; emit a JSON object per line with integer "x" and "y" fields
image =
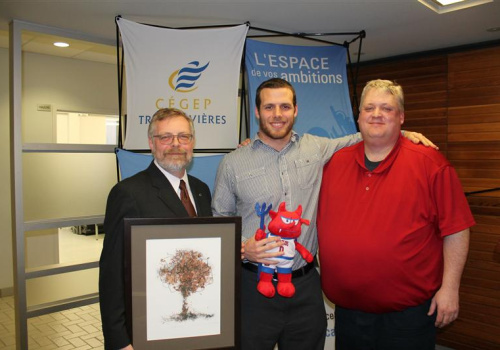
{"x": 287, "y": 225}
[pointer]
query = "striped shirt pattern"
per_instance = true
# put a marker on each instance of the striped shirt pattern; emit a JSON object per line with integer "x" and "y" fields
{"x": 258, "y": 173}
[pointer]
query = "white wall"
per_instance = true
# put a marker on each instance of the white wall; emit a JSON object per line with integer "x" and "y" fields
{"x": 55, "y": 185}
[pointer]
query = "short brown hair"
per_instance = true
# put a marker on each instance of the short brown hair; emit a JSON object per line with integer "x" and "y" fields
{"x": 166, "y": 113}
{"x": 274, "y": 83}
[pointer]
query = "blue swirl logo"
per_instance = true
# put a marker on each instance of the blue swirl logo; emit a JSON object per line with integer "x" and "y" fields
{"x": 184, "y": 79}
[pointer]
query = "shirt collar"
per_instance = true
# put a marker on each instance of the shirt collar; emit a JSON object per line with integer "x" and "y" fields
{"x": 257, "y": 141}
{"x": 386, "y": 163}
{"x": 174, "y": 180}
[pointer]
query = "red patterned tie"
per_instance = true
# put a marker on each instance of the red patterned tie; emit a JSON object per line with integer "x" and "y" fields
{"x": 186, "y": 200}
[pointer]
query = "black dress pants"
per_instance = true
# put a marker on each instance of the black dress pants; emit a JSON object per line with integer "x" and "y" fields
{"x": 410, "y": 329}
{"x": 296, "y": 323}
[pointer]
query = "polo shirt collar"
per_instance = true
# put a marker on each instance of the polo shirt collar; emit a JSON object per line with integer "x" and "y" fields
{"x": 386, "y": 163}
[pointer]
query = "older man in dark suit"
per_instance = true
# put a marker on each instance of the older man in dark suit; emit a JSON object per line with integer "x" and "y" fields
{"x": 157, "y": 192}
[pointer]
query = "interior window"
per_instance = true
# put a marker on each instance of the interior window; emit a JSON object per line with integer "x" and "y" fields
{"x": 86, "y": 128}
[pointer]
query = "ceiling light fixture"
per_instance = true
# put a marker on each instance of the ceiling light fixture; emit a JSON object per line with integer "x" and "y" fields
{"x": 61, "y": 44}
{"x": 448, "y": 2}
{"x": 443, "y": 6}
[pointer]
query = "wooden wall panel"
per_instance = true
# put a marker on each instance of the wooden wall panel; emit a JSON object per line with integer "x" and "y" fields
{"x": 454, "y": 99}
{"x": 474, "y": 60}
{"x": 480, "y": 114}
{"x": 474, "y": 149}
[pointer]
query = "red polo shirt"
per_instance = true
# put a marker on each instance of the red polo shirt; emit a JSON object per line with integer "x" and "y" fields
{"x": 381, "y": 232}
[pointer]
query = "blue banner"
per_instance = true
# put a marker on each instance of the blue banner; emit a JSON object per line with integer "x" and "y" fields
{"x": 318, "y": 74}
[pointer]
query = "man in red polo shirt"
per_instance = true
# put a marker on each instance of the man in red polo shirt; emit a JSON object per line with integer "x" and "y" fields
{"x": 393, "y": 229}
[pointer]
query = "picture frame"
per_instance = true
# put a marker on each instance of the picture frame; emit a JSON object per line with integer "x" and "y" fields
{"x": 182, "y": 282}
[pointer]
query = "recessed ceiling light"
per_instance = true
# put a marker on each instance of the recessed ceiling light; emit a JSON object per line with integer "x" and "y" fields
{"x": 448, "y": 2}
{"x": 493, "y": 30}
{"x": 61, "y": 44}
{"x": 443, "y": 6}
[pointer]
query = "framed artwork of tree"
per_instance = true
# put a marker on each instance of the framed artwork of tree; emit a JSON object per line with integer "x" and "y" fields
{"x": 182, "y": 279}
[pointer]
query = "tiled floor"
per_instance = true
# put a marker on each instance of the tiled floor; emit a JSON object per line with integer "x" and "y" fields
{"x": 78, "y": 328}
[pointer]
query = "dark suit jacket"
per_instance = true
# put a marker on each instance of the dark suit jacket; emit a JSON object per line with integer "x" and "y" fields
{"x": 147, "y": 194}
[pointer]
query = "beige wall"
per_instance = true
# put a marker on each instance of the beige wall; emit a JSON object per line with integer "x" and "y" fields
{"x": 55, "y": 185}
{"x": 70, "y": 185}
{"x": 66, "y": 84}
{"x": 5, "y": 217}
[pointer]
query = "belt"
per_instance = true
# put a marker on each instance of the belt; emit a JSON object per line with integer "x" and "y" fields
{"x": 301, "y": 271}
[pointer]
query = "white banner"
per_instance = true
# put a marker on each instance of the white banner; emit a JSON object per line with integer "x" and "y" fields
{"x": 196, "y": 70}
{"x": 330, "y": 328}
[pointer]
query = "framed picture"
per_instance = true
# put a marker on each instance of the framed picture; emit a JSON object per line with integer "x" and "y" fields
{"x": 182, "y": 279}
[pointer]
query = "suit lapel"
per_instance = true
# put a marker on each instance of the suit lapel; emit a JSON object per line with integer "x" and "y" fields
{"x": 198, "y": 197}
{"x": 166, "y": 192}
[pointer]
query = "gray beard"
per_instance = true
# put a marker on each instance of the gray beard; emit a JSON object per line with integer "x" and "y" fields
{"x": 175, "y": 166}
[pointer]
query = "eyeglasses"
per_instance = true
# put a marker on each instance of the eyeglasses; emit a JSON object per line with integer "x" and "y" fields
{"x": 168, "y": 139}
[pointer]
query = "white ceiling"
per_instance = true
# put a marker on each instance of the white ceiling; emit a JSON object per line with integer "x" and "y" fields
{"x": 392, "y": 27}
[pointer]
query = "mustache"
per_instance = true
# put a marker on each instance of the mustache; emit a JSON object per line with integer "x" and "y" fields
{"x": 174, "y": 150}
